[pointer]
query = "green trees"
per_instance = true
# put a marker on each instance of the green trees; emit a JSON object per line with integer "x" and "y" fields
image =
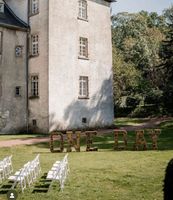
{"x": 139, "y": 79}
{"x": 126, "y": 78}
{"x": 167, "y": 62}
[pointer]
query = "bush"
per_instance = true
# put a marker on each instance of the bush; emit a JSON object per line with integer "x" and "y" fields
{"x": 122, "y": 111}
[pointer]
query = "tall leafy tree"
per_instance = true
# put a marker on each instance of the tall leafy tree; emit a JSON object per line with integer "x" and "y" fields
{"x": 126, "y": 78}
{"x": 167, "y": 65}
{"x": 137, "y": 39}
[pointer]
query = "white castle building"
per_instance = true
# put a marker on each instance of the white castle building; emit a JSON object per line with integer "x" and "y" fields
{"x": 55, "y": 65}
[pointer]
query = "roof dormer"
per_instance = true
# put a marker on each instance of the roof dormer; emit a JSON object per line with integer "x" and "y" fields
{"x": 1, "y": 6}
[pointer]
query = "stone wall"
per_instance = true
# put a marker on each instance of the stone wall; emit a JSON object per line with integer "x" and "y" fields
{"x": 4, "y": 118}
{"x": 66, "y": 110}
{"x": 38, "y": 107}
{"x": 13, "y": 118}
{"x": 58, "y": 68}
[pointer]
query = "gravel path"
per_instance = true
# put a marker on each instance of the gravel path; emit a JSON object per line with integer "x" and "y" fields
{"x": 15, "y": 142}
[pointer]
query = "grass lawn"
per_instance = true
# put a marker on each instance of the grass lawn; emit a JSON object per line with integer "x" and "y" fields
{"x": 129, "y": 121}
{"x": 20, "y": 136}
{"x": 102, "y": 175}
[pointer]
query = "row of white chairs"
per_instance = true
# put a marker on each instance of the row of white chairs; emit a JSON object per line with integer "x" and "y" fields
{"x": 6, "y": 168}
{"x": 59, "y": 171}
{"x": 27, "y": 174}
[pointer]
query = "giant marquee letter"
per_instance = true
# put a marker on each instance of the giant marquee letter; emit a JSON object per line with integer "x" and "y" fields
{"x": 118, "y": 133}
{"x": 73, "y": 142}
{"x": 89, "y": 141}
{"x": 52, "y": 136}
{"x": 140, "y": 140}
{"x": 154, "y": 134}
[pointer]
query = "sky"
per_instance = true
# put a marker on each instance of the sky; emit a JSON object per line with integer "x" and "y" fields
{"x": 138, "y": 5}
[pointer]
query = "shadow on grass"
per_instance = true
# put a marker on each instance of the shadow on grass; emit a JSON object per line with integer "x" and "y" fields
{"x": 166, "y": 140}
{"x": 25, "y": 136}
{"x": 119, "y": 122}
{"x": 106, "y": 141}
{"x": 6, "y": 187}
{"x": 166, "y": 125}
{"x": 43, "y": 185}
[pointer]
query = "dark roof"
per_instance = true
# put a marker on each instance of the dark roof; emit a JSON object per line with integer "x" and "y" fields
{"x": 110, "y": 1}
{"x": 10, "y": 20}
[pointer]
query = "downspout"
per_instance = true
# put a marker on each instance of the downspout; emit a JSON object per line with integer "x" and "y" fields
{"x": 27, "y": 72}
{"x": 48, "y": 24}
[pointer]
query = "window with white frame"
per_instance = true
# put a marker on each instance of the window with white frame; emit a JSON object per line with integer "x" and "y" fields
{"x": 83, "y": 47}
{"x": 83, "y": 87}
{"x": 34, "y": 86}
{"x": 1, "y": 43}
{"x": 34, "y": 7}
{"x": 83, "y": 9}
{"x": 1, "y": 7}
{"x": 18, "y": 51}
{"x": 34, "y": 45}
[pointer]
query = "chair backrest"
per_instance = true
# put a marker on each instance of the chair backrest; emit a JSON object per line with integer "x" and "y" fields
{"x": 2, "y": 167}
{"x": 9, "y": 159}
{"x": 37, "y": 157}
{"x": 5, "y": 161}
{"x": 36, "y": 160}
{"x": 65, "y": 159}
{"x": 1, "y": 164}
{"x": 25, "y": 168}
{"x": 22, "y": 173}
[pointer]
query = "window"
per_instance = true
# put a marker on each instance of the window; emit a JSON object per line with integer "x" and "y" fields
{"x": 83, "y": 47}
{"x": 34, "y": 45}
{"x": 18, "y": 51}
{"x": 34, "y": 86}
{"x": 34, "y": 7}
{"x": 1, "y": 7}
{"x": 18, "y": 91}
{"x": 34, "y": 122}
{"x": 82, "y": 9}
{"x": 83, "y": 87}
{"x": 84, "y": 120}
{"x": 0, "y": 43}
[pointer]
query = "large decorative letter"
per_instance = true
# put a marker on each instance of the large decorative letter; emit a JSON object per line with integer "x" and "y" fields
{"x": 140, "y": 140}
{"x": 89, "y": 141}
{"x": 118, "y": 133}
{"x": 52, "y": 136}
{"x": 154, "y": 134}
{"x": 73, "y": 142}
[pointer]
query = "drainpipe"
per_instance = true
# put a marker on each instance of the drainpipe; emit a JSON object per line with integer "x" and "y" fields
{"x": 27, "y": 72}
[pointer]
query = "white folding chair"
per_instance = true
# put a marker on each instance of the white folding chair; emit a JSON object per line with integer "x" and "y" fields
{"x": 35, "y": 167}
{"x": 19, "y": 177}
{"x": 9, "y": 164}
{"x": 64, "y": 169}
{"x": 28, "y": 174}
{"x": 59, "y": 171}
{"x": 2, "y": 171}
{"x": 66, "y": 163}
{"x": 5, "y": 164}
{"x": 53, "y": 173}
{"x": 8, "y": 168}
{"x": 37, "y": 162}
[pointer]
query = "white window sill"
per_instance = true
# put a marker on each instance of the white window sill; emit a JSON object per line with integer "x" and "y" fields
{"x": 83, "y": 19}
